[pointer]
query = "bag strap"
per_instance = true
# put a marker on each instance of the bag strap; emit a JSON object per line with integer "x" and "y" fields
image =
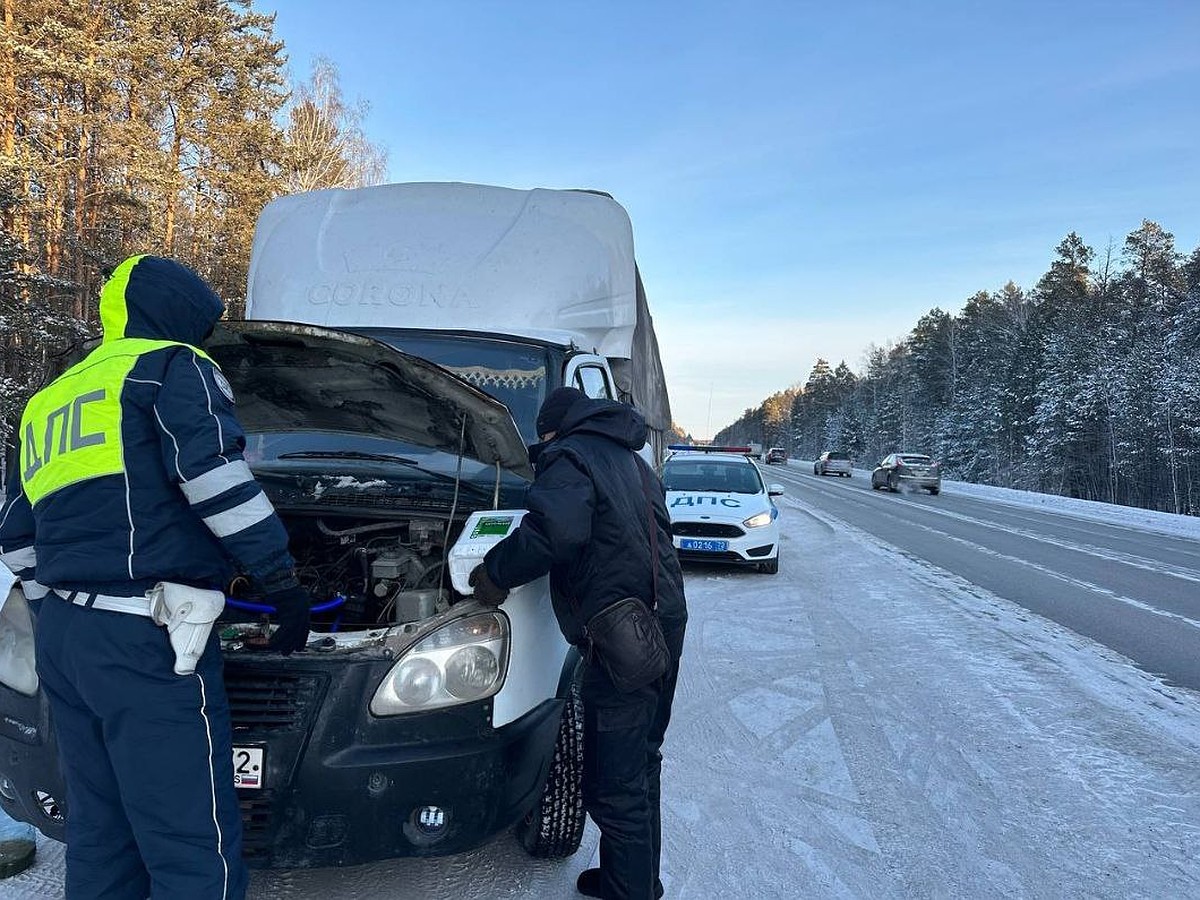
{"x": 642, "y": 468}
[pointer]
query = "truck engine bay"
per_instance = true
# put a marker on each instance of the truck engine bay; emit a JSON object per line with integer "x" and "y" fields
{"x": 363, "y": 574}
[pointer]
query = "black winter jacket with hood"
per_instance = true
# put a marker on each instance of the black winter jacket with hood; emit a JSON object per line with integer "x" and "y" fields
{"x": 588, "y": 525}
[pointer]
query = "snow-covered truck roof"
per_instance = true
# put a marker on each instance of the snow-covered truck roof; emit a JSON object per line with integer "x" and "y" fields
{"x": 449, "y": 256}
{"x": 540, "y": 263}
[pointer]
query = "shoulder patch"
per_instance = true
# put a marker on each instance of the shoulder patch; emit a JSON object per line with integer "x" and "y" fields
{"x": 223, "y": 384}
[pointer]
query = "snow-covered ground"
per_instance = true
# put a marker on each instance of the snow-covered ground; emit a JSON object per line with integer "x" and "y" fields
{"x": 864, "y": 725}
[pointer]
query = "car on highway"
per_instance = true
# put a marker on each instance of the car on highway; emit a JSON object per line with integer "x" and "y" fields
{"x": 833, "y": 462}
{"x": 916, "y": 470}
{"x": 721, "y": 509}
{"x": 777, "y": 455}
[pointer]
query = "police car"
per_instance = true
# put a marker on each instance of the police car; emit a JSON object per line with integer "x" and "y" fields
{"x": 721, "y": 510}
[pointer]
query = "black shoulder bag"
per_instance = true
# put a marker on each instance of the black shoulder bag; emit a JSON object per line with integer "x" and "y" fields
{"x": 626, "y": 636}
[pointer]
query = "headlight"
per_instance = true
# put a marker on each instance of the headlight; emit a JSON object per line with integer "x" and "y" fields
{"x": 463, "y": 661}
{"x": 763, "y": 518}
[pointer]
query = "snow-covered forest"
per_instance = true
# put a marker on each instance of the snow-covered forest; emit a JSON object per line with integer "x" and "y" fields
{"x": 140, "y": 127}
{"x": 1088, "y": 385}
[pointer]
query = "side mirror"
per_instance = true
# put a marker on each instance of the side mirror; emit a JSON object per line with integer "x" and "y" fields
{"x": 775, "y": 490}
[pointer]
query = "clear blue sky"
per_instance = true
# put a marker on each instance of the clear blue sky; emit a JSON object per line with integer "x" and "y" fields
{"x": 803, "y": 180}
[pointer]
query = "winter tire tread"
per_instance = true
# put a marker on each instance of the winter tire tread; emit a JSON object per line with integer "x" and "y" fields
{"x": 554, "y": 828}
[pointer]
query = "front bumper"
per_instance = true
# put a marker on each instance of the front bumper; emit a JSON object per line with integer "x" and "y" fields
{"x": 755, "y": 546}
{"x": 340, "y": 787}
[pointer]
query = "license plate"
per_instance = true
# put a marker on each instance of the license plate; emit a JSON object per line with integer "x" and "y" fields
{"x": 705, "y": 546}
{"x": 248, "y": 767}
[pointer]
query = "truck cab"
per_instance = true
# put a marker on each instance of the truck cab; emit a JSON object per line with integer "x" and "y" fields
{"x": 473, "y": 277}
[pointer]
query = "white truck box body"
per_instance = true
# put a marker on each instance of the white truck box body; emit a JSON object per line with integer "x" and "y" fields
{"x": 453, "y": 256}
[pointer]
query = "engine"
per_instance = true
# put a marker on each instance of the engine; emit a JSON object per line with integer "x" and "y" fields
{"x": 388, "y": 572}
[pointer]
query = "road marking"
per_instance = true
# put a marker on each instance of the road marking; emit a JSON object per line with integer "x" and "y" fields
{"x": 1059, "y": 576}
{"x": 1117, "y": 556}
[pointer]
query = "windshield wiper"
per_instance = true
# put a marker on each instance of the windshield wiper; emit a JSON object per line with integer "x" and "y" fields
{"x": 349, "y": 454}
{"x": 478, "y": 489}
{"x": 384, "y": 457}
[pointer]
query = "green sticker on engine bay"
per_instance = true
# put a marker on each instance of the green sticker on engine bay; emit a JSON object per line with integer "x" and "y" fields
{"x": 492, "y": 526}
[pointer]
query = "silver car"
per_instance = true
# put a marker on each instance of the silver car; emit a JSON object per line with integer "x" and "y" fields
{"x": 897, "y": 470}
{"x": 833, "y": 462}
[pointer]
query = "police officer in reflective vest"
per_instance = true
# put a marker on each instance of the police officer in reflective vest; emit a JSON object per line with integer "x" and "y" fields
{"x": 130, "y": 475}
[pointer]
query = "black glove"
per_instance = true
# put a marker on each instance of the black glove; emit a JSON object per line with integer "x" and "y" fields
{"x": 486, "y": 590}
{"x": 292, "y": 610}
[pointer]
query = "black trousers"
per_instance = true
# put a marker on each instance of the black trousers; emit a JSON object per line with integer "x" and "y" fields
{"x": 623, "y": 735}
{"x": 146, "y": 754}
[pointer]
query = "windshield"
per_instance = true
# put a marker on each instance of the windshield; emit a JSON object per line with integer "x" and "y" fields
{"x": 513, "y": 373}
{"x": 711, "y": 475}
{"x": 914, "y": 458}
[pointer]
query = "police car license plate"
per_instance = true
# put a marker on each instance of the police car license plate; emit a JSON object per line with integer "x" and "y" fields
{"x": 248, "y": 768}
{"x": 706, "y": 546}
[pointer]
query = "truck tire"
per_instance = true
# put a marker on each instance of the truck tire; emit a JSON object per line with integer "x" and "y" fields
{"x": 553, "y": 829}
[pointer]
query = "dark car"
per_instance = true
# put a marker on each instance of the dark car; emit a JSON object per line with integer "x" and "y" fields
{"x": 777, "y": 455}
{"x": 833, "y": 462}
{"x": 897, "y": 470}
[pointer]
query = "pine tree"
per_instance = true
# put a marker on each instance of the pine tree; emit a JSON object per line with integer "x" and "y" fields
{"x": 326, "y": 145}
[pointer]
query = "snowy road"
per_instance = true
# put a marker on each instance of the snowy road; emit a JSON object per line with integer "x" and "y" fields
{"x": 1134, "y": 591}
{"x": 868, "y": 725}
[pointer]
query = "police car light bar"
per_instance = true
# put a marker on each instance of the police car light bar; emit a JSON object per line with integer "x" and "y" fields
{"x": 706, "y": 448}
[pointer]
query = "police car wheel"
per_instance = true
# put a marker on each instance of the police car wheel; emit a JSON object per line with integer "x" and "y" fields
{"x": 553, "y": 829}
{"x": 770, "y": 567}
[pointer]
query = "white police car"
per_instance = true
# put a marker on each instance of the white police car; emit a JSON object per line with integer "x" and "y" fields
{"x": 721, "y": 510}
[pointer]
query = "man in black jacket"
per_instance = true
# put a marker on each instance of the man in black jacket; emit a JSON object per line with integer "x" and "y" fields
{"x": 598, "y": 524}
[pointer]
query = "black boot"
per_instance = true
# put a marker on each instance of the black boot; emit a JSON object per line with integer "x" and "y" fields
{"x": 588, "y": 884}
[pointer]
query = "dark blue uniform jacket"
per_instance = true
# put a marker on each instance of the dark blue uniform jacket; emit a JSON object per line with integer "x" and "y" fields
{"x": 185, "y": 507}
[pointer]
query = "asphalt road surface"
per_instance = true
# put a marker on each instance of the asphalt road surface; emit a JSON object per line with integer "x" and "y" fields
{"x": 1134, "y": 591}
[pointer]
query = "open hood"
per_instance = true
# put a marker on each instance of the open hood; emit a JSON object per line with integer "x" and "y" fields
{"x": 291, "y": 377}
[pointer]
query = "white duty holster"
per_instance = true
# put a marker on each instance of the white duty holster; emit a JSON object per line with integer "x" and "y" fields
{"x": 188, "y": 614}
{"x": 17, "y": 666}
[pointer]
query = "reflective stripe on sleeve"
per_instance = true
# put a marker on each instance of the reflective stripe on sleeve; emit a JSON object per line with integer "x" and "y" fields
{"x": 25, "y": 558}
{"x": 241, "y": 517}
{"x": 216, "y": 481}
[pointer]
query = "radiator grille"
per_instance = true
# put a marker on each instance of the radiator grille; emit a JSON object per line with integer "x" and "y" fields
{"x": 263, "y": 701}
{"x": 256, "y": 825}
{"x": 706, "y": 529}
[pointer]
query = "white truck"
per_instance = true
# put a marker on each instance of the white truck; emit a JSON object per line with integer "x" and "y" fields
{"x": 398, "y": 344}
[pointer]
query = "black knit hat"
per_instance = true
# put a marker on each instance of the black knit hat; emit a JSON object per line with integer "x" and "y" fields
{"x": 555, "y": 407}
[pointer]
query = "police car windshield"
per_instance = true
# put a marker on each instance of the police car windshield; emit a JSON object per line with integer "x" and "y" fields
{"x": 713, "y": 475}
{"x": 512, "y": 372}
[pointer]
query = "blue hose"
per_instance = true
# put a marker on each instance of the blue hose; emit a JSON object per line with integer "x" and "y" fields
{"x": 248, "y": 606}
